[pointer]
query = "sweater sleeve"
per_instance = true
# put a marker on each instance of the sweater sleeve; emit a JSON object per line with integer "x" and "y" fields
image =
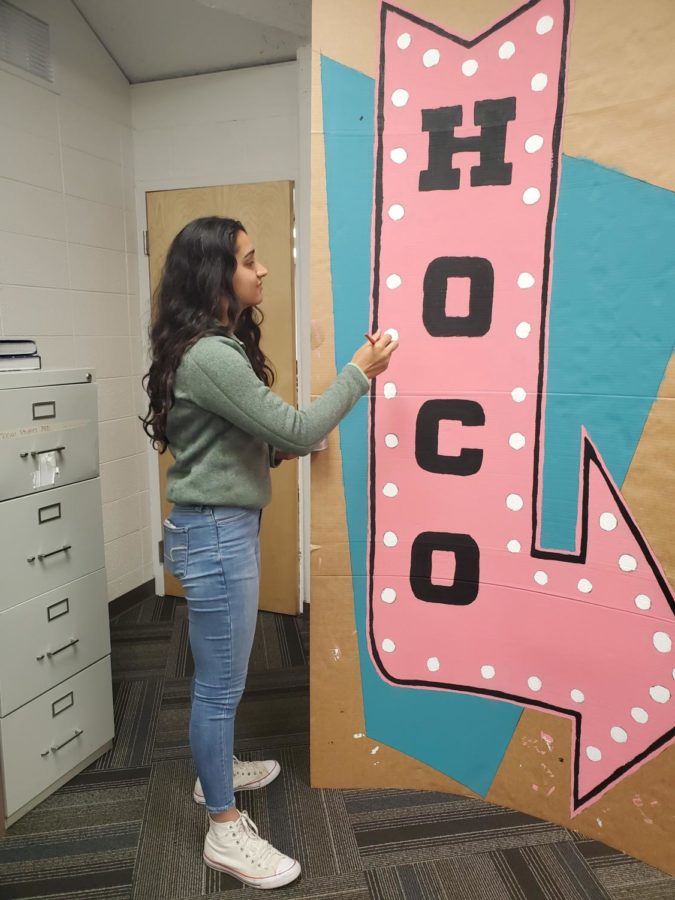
{"x": 222, "y": 381}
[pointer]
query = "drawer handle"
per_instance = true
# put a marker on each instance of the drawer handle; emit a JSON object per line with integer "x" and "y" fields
{"x": 50, "y": 653}
{"x": 78, "y": 732}
{"x": 35, "y": 453}
{"x": 41, "y": 556}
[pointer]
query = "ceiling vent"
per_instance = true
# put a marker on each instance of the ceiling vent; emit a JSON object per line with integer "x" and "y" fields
{"x": 24, "y": 41}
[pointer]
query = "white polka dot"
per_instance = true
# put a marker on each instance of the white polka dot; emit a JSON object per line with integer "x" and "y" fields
{"x": 627, "y": 563}
{"x": 470, "y": 67}
{"x": 390, "y": 539}
{"x": 404, "y": 40}
{"x": 534, "y": 683}
{"x": 618, "y": 734}
{"x": 593, "y": 754}
{"x": 431, "y": 58}
{"x": 390, "y": 489}
{"x": 642, "y": 601}
{"x": 398, "y": 155}
{"x": 525, "y": 280}
{"x": 391, "y": 440}
{"x": 534, "y": 143}
{"x": 531, "y": 196}
{"x": 639, "y": 714}
{"x": 662, "y": 642}
{"x": 519, "y": 394}
{"x": 393, "y": 281}
{"x": 523, "y": 330}
{"x": 544, "y": 24}
{"x": 539, "y": 82}
{"x": 507, "y": 49}
{"x": 400, "y": 97}
{"x": 396, "y": 212}
{"x": 517, "y": 441}
{"x": 659, "y": 693}
{"x": 388, "y": 645}
{"x": 514, "y": 502}
{"x": 487, "y": 672}
{"x": 513, "y": 546}
{"x": 577, "y": 695}
{"x": 388, "y": 595}
{"x": 390, "y": 390}
{"x": 541, "y": 577}
{"x": 433, "y": 664}
{"x": 585, "y": 586}
{"x": 393, "y": 333}
{"x": 608, "y": 522}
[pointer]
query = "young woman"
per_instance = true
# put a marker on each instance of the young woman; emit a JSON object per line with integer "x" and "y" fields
{"x": 211, "y": 405}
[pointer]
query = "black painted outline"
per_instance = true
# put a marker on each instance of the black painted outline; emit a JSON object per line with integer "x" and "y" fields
{"x": 589, "y": 453}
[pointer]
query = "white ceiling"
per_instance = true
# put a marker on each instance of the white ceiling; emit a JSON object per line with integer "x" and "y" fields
{"x": 155, "y": 39}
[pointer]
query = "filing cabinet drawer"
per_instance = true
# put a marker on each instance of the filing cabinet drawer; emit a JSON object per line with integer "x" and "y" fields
{"x": 48, "y": 540}
{"x": 48, "y": 437}
{"x": 46, "y": 738}
{"x": 50, "y": 638}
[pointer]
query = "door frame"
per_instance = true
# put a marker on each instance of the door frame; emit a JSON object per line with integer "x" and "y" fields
{"x": 302, "y": 355}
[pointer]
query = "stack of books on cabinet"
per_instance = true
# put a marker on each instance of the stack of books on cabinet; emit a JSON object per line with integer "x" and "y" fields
{"x": 19, "y": 355}
{"x": 56, "y": 711}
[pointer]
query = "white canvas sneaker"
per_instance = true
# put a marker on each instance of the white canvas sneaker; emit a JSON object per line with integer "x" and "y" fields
{"x": 248, "y": 776}
{"x": 237, "y": 848}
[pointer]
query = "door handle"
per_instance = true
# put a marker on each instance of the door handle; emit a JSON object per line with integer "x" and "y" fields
{"x": 41, "y": 556}
{"x": 78, "y": 732}
{"x": 50, "y": 653}
{"x": 35, "y": 453}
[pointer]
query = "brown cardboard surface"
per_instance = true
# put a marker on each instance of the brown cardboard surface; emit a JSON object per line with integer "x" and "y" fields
{"x": 649, "y": 486}
{"x": 605, "y": 102}
{"x": 636, "y": 815}
{"x": 620, "y": 108}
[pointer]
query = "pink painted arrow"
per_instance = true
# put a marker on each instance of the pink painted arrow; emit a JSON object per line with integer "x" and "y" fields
{"x": 461, "y": 596}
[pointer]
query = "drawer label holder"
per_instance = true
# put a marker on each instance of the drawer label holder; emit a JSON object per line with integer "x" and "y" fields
{"x": 56, "y": 610}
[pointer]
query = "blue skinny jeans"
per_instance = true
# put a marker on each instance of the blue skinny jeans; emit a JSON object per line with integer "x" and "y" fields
{"x": 214, "y": 551}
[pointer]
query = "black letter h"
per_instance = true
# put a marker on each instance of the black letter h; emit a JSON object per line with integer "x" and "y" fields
{"x": 492, "y": 116}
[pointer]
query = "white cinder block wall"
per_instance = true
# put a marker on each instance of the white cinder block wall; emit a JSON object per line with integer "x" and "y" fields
{"x": 68, "y": 255}
{"x": 226, "y": 128}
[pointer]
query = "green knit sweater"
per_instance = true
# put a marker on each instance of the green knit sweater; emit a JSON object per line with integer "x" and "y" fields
{"x": 225, "y": 423}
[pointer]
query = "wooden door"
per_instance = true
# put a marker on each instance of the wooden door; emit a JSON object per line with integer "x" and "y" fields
{"x": 266, "y": 212}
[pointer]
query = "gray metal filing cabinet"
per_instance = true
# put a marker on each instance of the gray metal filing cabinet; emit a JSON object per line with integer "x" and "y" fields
{"x": 56, "y": 710}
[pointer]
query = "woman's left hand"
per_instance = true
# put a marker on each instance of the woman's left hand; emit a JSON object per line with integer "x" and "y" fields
{"x": 281, "y": 455}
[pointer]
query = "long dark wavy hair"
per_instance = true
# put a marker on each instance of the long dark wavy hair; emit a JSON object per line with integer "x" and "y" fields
{"x": 194, "y": 292}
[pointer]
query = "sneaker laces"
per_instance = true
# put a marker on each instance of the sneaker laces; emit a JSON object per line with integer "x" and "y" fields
{"x": 255, "y": 768}
{"x": 252, "y": 767}
{"x": 260, "y": 850}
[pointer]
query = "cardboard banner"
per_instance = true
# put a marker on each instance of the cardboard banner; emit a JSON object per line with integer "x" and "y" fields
{"x": 462, "y": 596}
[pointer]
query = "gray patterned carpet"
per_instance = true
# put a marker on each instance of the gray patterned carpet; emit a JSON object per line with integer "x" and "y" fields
{"x": 127, "y": 828}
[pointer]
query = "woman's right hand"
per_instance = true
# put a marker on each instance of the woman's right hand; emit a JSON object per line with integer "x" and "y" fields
{"x": 373, "y": 359}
